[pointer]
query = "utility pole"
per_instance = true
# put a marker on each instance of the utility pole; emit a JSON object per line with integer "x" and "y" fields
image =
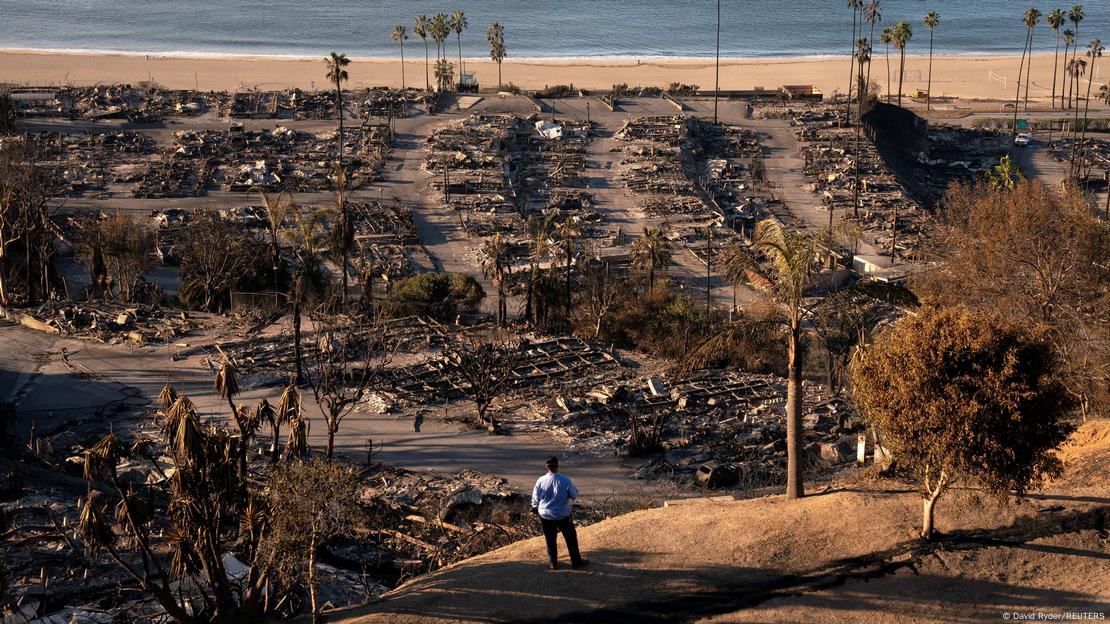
{"x": 717, "y": 87}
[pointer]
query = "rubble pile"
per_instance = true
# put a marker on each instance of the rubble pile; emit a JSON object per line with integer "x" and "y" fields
{"x": 171, "y": 178}
{"x": 428, "y": 521}
{"x": 280, "y": 159}
{"x": 473, "y": 163}
{"x": 81, "y": 162}
{"x": 110, "y": 322}
{"x": 657, "y": 165}
{"x": 830, "y": 163}
{"x": 547, "y": 363}
{"x": 957, "y": 154}
{"x": 731, "y": 421}
{"x": 1095, "y": 155}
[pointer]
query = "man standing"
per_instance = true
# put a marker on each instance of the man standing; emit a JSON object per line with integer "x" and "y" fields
{"x": 551, "y": 501}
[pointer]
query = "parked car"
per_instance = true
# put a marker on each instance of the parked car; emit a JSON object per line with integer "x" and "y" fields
{"x": 1023, "y": 139}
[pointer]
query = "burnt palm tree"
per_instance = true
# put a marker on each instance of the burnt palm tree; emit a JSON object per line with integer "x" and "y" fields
{"x": 495, "y": 35}
{"x": 901, "y": 36}
{"x": 1055, "y": 20}
{"x": 496, "y": 262}
{"x": 931, "y": 21}
{"x": 337, "y": 75}
{"x": 458, "y": 24}
{"x": 541, "y": 230}
{"x": 420, "y": 29}
{"x": 872, "y": 15}
{"x": 651, "y": 252}
{"x": 887, "y": 38}
{"x": 569, "y": 232}
{"x": 399, "y": 35}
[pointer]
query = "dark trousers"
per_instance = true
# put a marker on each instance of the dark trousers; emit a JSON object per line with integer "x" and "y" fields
{"x": 551, "y": 530}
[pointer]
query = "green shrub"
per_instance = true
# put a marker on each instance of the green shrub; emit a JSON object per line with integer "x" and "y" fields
{"x": 442, "y": 296}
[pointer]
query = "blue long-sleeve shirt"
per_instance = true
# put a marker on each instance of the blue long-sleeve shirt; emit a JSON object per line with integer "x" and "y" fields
{"x": 552, "y": 496}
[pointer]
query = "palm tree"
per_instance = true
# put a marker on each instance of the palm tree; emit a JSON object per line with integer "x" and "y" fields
{"x": 651, "y": 252}
{"x": 1055, "y": 20}
{"x": 1077, "y": 67}
{"x": 1094, "y": 52}
{"x": 792, "y": 256}
{"x": 855, "y": 5}
{"x": 399, "y": 35}
{"x": 1075, "y": 16}
{"x": 540, "y": 232}
{"x": 931, "y": 21}
{"x": 458, "y": 25}
{"x": 1030, "y": 19}
{"x": 887, "y": 38}
{"x": 495, "y": 35}
{"x": 872, "y": 15}
{"x": 569, "y": 232}
{"x": 863, "y": 55}
{"x": 278, "y": 208}
{"x": 420, "y": 29}
{"x": 1069, "y": 40}
{"x": 444, "y": 74}
{"x": 901, "y": 38}
{"x": 338, "y": 75}
{"x": 496, "y": 264}
{"x": 439, "y": 30}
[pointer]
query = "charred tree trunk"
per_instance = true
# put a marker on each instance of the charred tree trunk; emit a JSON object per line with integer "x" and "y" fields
{"x": 795, "y": 438}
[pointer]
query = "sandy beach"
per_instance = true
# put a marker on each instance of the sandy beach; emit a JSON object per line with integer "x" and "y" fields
{"x": 987, "y": 77}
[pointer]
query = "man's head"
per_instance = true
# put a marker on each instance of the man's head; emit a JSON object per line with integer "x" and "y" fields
{"x": 552, "y": 464}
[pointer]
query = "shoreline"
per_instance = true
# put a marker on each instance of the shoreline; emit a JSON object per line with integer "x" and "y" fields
{"x": 571, "y": 58}
{"x": 968, "y": 76}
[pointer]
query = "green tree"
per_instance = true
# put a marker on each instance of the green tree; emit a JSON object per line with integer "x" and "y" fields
{"x": 399, "y": 35}
{"x": 900, "y": 37}
{"x": 496, "y": 38}
{"x": 338, "y": 75}
{"x": 931, "y": 21}
{"x": 651, "y": 252}
{"x": 420, "y": 29}
{"x": 964, "y": 395}
{"x": 1055, "y": 20}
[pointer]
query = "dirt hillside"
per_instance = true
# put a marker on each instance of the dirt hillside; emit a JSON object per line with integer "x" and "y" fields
{"x": 844, "y": 555}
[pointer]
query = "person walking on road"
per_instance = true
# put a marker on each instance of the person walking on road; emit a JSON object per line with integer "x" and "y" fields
{"x": 551, "y": 501}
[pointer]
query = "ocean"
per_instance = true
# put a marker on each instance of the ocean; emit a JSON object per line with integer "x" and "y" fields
{"x": 632, "y": 29}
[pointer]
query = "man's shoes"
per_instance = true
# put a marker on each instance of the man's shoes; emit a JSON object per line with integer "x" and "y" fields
{"x": 552, "y": 566}
{"x": 581, "y": 563}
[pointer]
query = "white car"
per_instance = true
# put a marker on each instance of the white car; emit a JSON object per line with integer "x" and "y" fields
{"x": 1023, "y": 139}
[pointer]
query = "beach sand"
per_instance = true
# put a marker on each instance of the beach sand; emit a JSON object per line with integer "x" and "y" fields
{"x": 985, "y": 77}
